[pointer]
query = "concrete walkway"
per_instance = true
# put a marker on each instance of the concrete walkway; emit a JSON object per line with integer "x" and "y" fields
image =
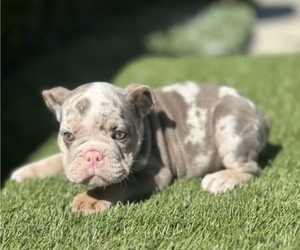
{"x": 277, "y": 28}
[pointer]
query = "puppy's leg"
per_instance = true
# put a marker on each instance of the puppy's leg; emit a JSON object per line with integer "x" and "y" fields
{"x": 241, "y": 133}
{"x": 137, "y": 186}
{"x": 101, "y": 199}
{"x": 39, "y": 170}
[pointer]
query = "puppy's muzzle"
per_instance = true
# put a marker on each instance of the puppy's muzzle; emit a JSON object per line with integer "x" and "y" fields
{"x": 93, "y": 160}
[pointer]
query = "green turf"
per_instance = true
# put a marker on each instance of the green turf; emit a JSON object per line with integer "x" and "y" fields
{"x": 262, "y": 214}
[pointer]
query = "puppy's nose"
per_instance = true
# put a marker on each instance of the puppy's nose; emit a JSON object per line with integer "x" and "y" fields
{"x": 93, "y": 158}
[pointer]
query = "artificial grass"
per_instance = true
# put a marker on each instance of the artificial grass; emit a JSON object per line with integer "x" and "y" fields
{"x": 262, "y": 214}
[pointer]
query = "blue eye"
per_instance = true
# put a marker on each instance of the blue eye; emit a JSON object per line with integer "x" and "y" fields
{"x": 119, "y": 135}
{"x": 69, "y": 137}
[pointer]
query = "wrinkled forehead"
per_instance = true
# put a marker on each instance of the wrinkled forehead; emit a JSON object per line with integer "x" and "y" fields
{"x": 96, "y": 99}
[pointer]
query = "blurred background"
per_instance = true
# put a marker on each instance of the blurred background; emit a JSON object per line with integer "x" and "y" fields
{"x": 49, "y": 43}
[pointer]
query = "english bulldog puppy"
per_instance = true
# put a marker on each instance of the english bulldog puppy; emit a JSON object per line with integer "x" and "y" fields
{"x": 127, "y": 143}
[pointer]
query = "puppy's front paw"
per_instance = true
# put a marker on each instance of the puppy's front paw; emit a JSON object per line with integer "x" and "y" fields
{"x": 224, "y": 180}
{"x": 85, "y": 204}
{"x": 22, "y": 174}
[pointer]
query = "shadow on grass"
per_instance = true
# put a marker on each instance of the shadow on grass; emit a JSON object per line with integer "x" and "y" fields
{"x": 269, "y": 154}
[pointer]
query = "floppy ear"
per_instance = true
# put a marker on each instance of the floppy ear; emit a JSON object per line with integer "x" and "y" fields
{"x": 142, "y": 97}
{"x": 54, "y": 99}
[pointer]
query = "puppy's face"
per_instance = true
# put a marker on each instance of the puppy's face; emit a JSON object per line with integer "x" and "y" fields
{"x": 101, "y": 129}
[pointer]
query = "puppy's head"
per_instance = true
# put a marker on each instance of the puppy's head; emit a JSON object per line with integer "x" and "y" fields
{"x": 101, "y": 129}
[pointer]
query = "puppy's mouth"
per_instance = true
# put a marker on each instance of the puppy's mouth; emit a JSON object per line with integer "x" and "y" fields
{"x": 95, "y": 181}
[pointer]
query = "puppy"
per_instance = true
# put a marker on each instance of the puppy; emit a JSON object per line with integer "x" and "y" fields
{"x": 126, "y": 143}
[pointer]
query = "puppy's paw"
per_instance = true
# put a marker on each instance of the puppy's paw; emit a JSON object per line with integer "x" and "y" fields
{"x": 85, "y": 204}
{"x": 23, "y": 174}
{"x": 223, "y": 180}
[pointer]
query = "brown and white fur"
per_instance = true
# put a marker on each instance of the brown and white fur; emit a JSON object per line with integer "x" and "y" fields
{"x": 126, "y": 143}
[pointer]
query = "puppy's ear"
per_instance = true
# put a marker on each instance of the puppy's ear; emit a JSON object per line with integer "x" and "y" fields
{"x": 54, "y": 99}
{"x": 142, "y": 97}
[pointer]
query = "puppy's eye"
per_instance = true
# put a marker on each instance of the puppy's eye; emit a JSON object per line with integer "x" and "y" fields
{"x": 69, "y": 137}
{"x": 119, "y": 135}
